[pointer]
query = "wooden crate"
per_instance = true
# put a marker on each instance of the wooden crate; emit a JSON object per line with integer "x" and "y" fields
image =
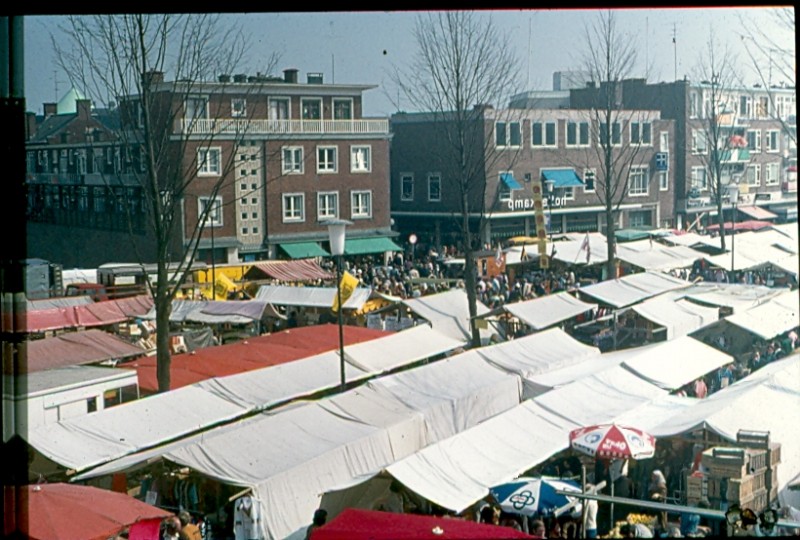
{"x": 756, "y": 501}
{"x": 774, "y": 453}
{"x": 729, "y": 462}
{"x": 736, "y": 489}
{"x": 696, "y": 487}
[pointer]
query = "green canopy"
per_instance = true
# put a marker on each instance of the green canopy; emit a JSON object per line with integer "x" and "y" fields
{"x": 362, "y": 246}
{"x": 629, "y": 235}
{"x": 304, "y": 250}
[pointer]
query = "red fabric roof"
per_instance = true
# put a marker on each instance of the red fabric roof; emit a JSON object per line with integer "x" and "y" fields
{"x": 357, "y": 524}
{"x": 87, "y": 315}
{"x": 299, "y": 270}
{"x": 75, "y": 348}
{"x": 258, "y": 352}
{"x": 742, "y": 226}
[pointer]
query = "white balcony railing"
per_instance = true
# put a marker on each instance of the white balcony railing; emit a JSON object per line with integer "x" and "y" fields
{"x": 232, "y": 126}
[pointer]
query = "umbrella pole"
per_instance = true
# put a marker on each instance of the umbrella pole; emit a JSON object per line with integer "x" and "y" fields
{"x": 583, "y": 503}
{"x": 612, "y": 504}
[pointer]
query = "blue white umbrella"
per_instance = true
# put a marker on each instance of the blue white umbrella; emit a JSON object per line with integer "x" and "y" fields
{"x": 532, "y": 495}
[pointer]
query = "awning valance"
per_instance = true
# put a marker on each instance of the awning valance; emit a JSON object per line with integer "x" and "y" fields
{"x": 304, "y": 250}
{"x": 361, "y": 246}
{"x": 756, "y": 212}
{"x": 563, "y": 178}
{"x": 508, "y": 179}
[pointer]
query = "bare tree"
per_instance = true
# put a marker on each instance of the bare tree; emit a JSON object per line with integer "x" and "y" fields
{"x": 714, "y": 141}
{"x": 772, "y": 53}
{"x": 462, "y": 66}
{"x": 609, "y": 58}
{"x": 123, "y": 58}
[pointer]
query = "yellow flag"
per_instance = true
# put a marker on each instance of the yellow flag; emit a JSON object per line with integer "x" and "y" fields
{"x": 347, "y": 286}
{"x": 223, "y": 286}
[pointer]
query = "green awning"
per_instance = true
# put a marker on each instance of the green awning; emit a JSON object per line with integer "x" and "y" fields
{"x": 630, "y": 235}
{"x": 362, "y": 246}
{"x": 304, "y": 250}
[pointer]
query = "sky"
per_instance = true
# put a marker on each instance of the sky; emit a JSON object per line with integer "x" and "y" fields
{"x": 364, "y": 47}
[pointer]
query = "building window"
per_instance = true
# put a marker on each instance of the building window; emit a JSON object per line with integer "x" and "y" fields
{"x": 641, "y": 133}
{"x": 589, "y": 177}
{"x": 209, "y": 162}
{"x": 238, "y": 107}
{"x": 762, "y": 107}
{"x": 326, "y": 159}
{"x": 577, "y": 133}
{"x": 244, "y": 230}
{"x": 641, "y": 218}
{"x": 694, "y": 104}
{"x": 361, "y": 204}
{"x": 278, "y": 108}
{"x": 699, "y": 181}
{"x": 80, "y": 161}
{"x": 311, "y": 108}
{"x": 508, "y": 134}
{"x": 327, "y": 205}
{"x": 254, "y": 215}
{"x": 663, "y": 181}
{"x": 342, "y": 109}
{"x": 244, "y": 215}
{"x": 293, "y": 207}
{"x": 616, "y": 134}
{"x": 434, "y": 188}
{"x": 292, "y": 160}
{"x": 98, "y": 200}
{"x": 773, "y": 174}
{"x": 407, "y": 187}
{"x": 699, "y": 143}
{"x": 745, "y": 106}
{"x": 543, "y": 134}
{"x": 196, "y": 108}
{"x": 638, "y": 181}
{"x": 214, "y": 217}
{"x": 773, "y": 141}
{"x": 360, "y": 158}
{"x": 753, "y": 174}
{"x": 753, "y": 140}
{"x": 255, "y": 230}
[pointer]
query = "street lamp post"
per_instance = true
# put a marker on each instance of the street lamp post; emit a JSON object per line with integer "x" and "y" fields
{"x": 336, "y": 237}
{"x": 733, "y": 197}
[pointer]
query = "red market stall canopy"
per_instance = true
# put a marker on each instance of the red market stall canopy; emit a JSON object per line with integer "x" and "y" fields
{"x": 74, "y": 512}
{"x": 752, "y": 225}
{"x": 756, "y": 212}
{"x": 87, "y": 315}
{"x": 76, "y": 348}
{"x": 253, "y": 353}
{"x": 357, "y": 524}
{"x": 300, "y": 270}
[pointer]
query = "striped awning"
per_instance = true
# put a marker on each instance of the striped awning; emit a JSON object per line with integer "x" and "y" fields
{"x": 300, "y": 270}
{"x": 756, "y": 212}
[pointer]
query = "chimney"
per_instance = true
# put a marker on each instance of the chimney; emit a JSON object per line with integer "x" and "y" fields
{"x": 290, "y": 76}
{"x": 84, "y": 108}
{"x": 50, "y": 109}
{"x": 240, "y": 78}
{"x": 30, "y": 124}
{"x": 152, "y": 77}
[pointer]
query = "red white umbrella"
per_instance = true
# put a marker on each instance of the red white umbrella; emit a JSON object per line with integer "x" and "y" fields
{"x": 612, "y": 441}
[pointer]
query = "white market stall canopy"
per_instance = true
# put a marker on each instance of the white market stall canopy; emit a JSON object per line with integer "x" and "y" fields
{"x": 766, "y": 400}
{"x": 652, "y": 255}
{"x": 448, "y": 312}
{"x": 574, "y": 252}
{"x": 217, "y": 312}
{"x": 459, "y": 471}
{"x": 548, "y": 310}
{"x": 779, "y": 314}
{"x": 535, "y": 354}
{"x": 600, "y": 397}
{"x": 316, "y": 297}
{"x": 736, "y": 296}
{"x": 679, "y": 317}
{"x": 80, "y": 443}
{"x": 674, "y": 363}
{"x": 634, "y": 288}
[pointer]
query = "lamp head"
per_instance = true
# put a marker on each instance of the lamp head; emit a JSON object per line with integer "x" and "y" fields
{"x": 336, "y": 234}
{"x": 549, "y": 185}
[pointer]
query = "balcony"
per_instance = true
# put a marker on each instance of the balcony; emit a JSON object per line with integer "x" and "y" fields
{"x": 235, "y": 127}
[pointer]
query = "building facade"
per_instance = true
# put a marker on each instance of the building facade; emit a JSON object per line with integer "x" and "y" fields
{"x": 269, "y": 159}
{"x": 557, "y": 146}
{"x": 758, "y": 131}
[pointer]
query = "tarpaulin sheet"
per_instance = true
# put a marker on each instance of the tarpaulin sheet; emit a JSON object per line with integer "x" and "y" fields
{"x": 678, "y": 317}
{"x": 548, "y": 310}
{"x": 448, "y": 312}
{"x": 87, "y": 315}
{"x": 633, "y": 288}
{"x": 74, "y": 348}
{"x": 318, "y": 297}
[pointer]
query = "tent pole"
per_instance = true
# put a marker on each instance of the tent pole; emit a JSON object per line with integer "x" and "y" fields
{"x": 583, "y": 503}
{"x": 612, "y": 504}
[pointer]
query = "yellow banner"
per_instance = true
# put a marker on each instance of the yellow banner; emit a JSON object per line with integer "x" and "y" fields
{"x": 223, "y": 286}
{"x": 347, "y": 286}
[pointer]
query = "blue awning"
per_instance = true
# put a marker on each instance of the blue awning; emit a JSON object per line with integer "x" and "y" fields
{"x": 563, "y": 178}
{"x": 509, "y": 181}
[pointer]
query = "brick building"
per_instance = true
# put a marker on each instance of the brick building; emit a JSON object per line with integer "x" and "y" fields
{"x": 282, "y": 157}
